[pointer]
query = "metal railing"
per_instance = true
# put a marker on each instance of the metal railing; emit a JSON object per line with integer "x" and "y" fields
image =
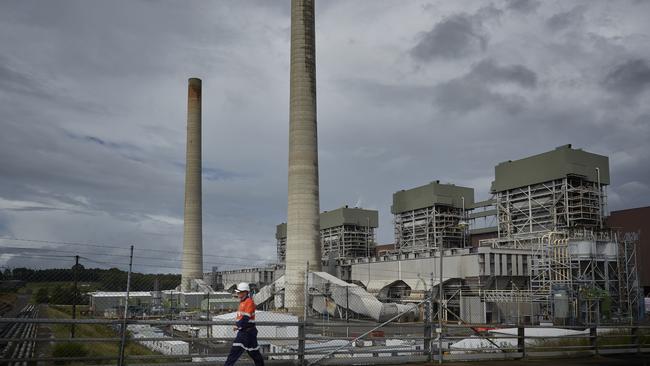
{"x": 311, "y": 345}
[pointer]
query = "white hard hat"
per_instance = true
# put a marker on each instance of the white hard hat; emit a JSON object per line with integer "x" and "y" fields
{"x": 243, "y": 287}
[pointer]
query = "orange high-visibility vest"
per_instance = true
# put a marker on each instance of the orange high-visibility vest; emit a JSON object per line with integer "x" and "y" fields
{"x": 246, "y": 308}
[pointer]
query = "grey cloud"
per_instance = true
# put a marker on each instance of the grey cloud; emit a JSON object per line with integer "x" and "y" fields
{"x": 13, "y": 80}
{"x": 564, "y": 20}
{"x": 455, "y": 36}
{"x": 381, "y": 92}
{"x": 116, "y": 169}
{"x": 489, "y": 71}
{"x": 629, "y": 79}
{"x": 488, "y": 13}
{"x": 463, "y": 96}
{"x": 472, "y": 90}
{"x": 523, "y": 6}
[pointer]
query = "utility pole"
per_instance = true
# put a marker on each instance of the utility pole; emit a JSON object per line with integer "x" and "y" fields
{"x": 126, "y": 311}
{"x": 440, "y": 295}
{"x": 75, "y": 274}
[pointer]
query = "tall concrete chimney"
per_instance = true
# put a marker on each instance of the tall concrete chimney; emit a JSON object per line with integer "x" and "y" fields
{"x": 303, "y": 225}
{"x": 193, "y": 229}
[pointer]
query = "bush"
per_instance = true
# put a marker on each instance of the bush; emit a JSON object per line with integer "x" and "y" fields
{"x": 69, "y": 350}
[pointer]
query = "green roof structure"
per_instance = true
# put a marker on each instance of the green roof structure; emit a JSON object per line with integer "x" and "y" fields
{"x": 349, "y": 216}
{"x": 339, "y": 217}
{"x": 555, "y": 164}
{"x": 432, "y": 194}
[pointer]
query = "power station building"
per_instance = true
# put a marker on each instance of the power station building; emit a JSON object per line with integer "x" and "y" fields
{"x": 431, "y": 216}
{"x": 538, "y": 250}
{"x": 550, "y": 256}
{"x": 344, "y": 233}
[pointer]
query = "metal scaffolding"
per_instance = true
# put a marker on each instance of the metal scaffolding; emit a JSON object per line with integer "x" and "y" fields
{"x": 630, "y": 293}
{"x": 572, "y": 257}
{"x": 426, "y": 228}
{"x": 594, "y": 270}
{"x": 339, "y": 242}
{"x": 347, "y": 241}
{"x": 281, "y": 248}
{"x": 549, "y": 206}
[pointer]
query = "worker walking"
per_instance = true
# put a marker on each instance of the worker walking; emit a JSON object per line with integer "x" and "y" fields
{"x": 246, "y": 339}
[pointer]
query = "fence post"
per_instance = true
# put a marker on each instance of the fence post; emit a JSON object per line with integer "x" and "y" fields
{"x": 521, "y": 341}
{"x": 301, "y": 327}
{"x": 306, "y": 291}
{"x": 636, "y": 338}
{"x": 427, "y": 330}
{"x": 301, "y": 341}
{"x": 593, "y": 338}
{"x": 75, "y": 273}
{"x": 347, "y": 310}
{"x": 428, "y": 323}
{"x": 126, "y": 311}
{"x": 208, "y": 330}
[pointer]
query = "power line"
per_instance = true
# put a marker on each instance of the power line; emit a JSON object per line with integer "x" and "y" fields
{"x": 113, "y": 254}
{"x": 27, "y": 256}
{"x": 126, "y": 247}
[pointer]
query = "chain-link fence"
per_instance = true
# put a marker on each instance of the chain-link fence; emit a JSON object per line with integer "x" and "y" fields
{"x": 88, "y": 311}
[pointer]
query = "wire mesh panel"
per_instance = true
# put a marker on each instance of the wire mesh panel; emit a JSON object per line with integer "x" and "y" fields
{"x": 349, "y": 322}
{"x": 85, "y": 310}
{"x": 63, "y": 302}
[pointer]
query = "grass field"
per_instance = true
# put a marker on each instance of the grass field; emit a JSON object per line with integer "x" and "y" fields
{"x": 93, "y": 331}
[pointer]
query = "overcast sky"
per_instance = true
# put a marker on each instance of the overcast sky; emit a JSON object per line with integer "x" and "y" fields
{"x": 93, "y": 107}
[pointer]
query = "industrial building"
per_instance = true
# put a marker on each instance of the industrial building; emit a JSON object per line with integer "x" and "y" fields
{"x": 552, "y": 205}
{"x": 431, "y": 217}
{"x": 344, "y": 233}
{"x": 110, "y": 304}
{"x": 539, "y": 250}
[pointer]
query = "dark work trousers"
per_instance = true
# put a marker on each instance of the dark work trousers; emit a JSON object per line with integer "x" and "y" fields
{"x": 237, "y": 351}
{"x": 246, "y": 340}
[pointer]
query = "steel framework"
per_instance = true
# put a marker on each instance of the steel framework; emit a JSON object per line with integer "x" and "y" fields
{"x": 630, "y": 293}
{"x": 595, "y": 269}
{"x": 561, "y": 223}
{"x": 347, "y": 241}
{"x": 281, "y": 248}
{"x": 339, "y": 242}
{"x": 427, "y": 228}
{"x": 554, "y": 205}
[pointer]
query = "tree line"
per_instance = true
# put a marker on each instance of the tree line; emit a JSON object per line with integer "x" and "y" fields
{"x": 112, "y": 279}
